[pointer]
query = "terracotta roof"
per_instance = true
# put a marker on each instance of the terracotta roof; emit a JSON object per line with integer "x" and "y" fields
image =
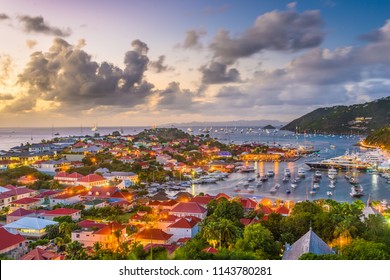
{"x": 248, "y": 203}
{"x": 41, "y": 254}
{"x": 46, "y": 193}
{"x": 169, "y": 203}
{"x": 183, "y": 239}
{"x": 110, "y": 228}
{"x": 203, "y": 200}
{"x": 245, "y": 222}
{"x": 61, "y": 174}
{"x": 91, "y": 178}
{"x": 282, "y": 210}
{"x": 91, "y": 224}
{"x": 61, "y": 212}
{"x": 153, "y": 234}
{"x": 8, "y": 239}
{"x": 265, "y": 209}
{"x": 154, "y": 203}
{"x": 265, "y": 201}
{"x": 184, "y": 223}
{"x": 26, "y": 200}
{"x": 18, "y": 191}
{"x": 20, "y": 212}
{"x": 189, "y": 207}
{"x": 10, "y": 187}
{"x": 210, "y": 250}
{"x": 75, "y": 175}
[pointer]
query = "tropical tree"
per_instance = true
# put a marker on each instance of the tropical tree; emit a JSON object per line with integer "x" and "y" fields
{"x": 361, "y": 249}
{"x": 259, "y": 240}
{"x": 75, "y": 251}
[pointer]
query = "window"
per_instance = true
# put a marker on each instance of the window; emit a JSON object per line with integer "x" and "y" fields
{"x": 78, "y": 235}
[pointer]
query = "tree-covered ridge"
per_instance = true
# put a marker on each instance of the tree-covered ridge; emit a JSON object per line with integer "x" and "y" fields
{"x": 380, "y": 137}
{"x": 362, "y": 118}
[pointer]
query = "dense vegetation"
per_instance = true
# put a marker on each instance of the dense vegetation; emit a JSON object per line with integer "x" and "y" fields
{"x": 380, "y": 137}
{"x": 336, "y": 119}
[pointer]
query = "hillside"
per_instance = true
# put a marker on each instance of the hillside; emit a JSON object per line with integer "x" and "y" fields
{"x": 358, "y": 118}
{"x": 380, "y": 137}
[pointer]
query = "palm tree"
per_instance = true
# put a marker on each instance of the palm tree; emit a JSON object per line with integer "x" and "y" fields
{"x": 229, "y": 232}
{"x": 76, "y": 251}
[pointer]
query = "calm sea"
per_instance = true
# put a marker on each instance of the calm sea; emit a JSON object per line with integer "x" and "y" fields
{"x": 329, "y": 146}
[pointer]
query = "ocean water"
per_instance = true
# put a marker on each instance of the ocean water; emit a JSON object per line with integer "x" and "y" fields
{"x": 328, "y": 146}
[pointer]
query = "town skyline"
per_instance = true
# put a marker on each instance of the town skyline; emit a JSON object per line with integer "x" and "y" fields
{"x": 136, "y": 64}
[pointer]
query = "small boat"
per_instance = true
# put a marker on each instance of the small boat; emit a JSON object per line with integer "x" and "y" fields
{"x": 294, "y": 185}
{"x": 318, "y": 174}
{"x": 316, "y": 186}
{"x": 288, "y": 191}
{"x": 287, "y": 172}
{"x": 251, "y": 189}
{"x": 295, "y": 181}
{"x": 285, "y": 179}
{"x": 251, "y": 179}
{"x": 332, "y": 185}
{"x": 332, "y": 173}
{"x": 270, "y": 173}
{"x": 259, "y": 184}
{"x": 356, "y": 191}
{"x": 246, "y": 184}
{"x": 312, "y": 192}
{"x": 264, "y": 179}
{"x": 328, "y": 193}
{"x": 316, "y": 179}
{"x": 353, "y": 181}
{"x": 56, "y": 134}
{"x": 301, "y": 173}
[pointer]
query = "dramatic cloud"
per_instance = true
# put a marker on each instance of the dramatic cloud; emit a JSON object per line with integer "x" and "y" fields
{"x": 70, "y": 78}
{"x": 192, "y": 39}
{"x": 173, "y": 98}
{"x": 217, "y": 73}
{"x": 318, "y": 78}
{"x": 3, "y": 16}
{"x": 282, "y": 31}
{"x": 5, "y": 96}
{"x": 158, "y": 65}
{"x": 31, "y": 43}
{"x": 38, "y": 25}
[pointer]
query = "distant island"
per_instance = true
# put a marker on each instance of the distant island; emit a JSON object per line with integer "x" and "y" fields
{"x": 354, "y": 119}
{"x": 244, "y": 123}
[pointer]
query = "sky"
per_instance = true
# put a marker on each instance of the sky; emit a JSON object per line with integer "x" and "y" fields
{"x": 143, "y": 63}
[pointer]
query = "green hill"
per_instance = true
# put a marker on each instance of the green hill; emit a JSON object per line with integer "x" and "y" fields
{"x": 380, "y": 137}
{"x": 358, "y": 118}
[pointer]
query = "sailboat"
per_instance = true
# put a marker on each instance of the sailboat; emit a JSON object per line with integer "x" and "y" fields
{"x": 94, "y": 128}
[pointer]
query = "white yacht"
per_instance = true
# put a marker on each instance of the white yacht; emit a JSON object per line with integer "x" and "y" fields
{"x": 301, "y": 173}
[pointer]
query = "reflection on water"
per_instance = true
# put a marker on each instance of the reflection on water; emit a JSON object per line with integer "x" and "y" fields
{"x": 372, "y": 184}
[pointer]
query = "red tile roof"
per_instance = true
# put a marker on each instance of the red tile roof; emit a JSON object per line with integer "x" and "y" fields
{"x": 169, "y": 203}
{"x": 153, "y": 234}
{"x": 168, "y": 218}
{"x": 18, "y": 191}
{"x": 91, "y": 224}
{"x": 41, "y": 254}
{"x": 265, "y": 209}
{"x": 110, "y": 228}
{"x": 245, "y": 222}
{"x": 8, "y": 239}
{"x": 203, "y": 200}
{"x": 91, "y": 178}
{"x": 75, "y": 175}
{"x": 184, "y": 223}
{"x": 61, "y": 212}
{"x": 61, "y": 174}
{"x": 248, "y": 203}
{"x": 183, "y": 239}
{"x": 27, "y": 200}
{"x": 20, "y": 212}
{"x": 189, "y": 207}
{"x": 47, "y": 193}
{"x": 210, "y": 250}
{"x": 282, "y": 210}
